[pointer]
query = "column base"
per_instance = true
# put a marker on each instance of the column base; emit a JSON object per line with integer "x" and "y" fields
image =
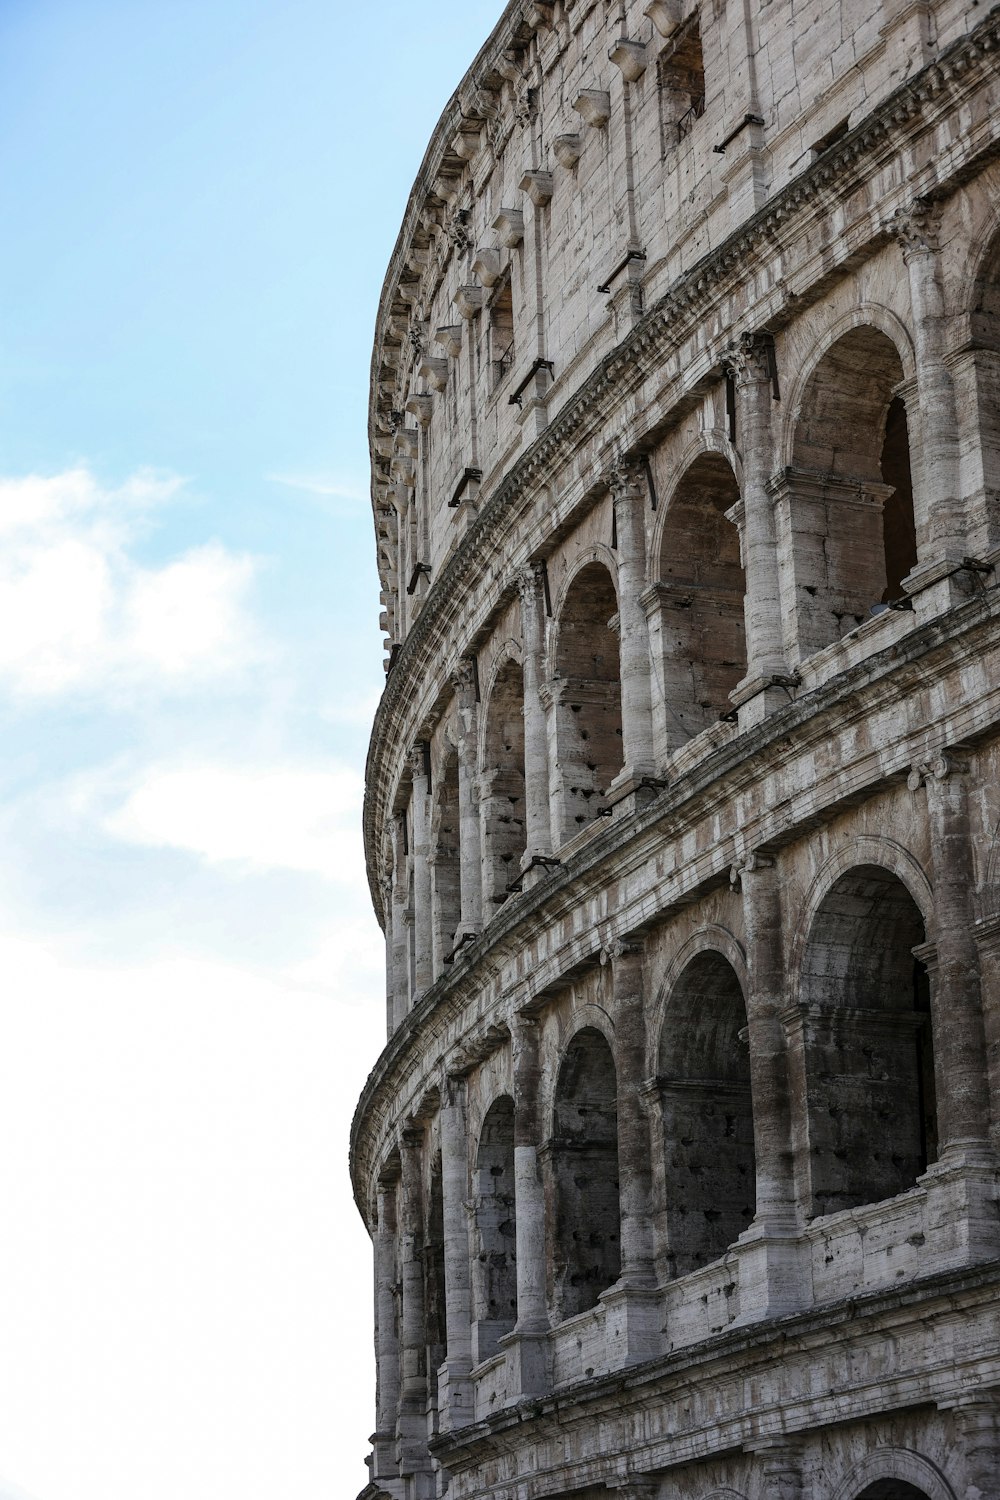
{"x": 774, "y": 1269}
{"x": 529, "y": 1363}
{"x": 756, "y": 698}
{"x": 962, "y": 1188}
{"x": 455, "y": 1399}
{"x": 383, "y": 1459}
{"x": 938, "y": 586}
{"x": 633, "y": 1324}
{"x": 633, "y": 788}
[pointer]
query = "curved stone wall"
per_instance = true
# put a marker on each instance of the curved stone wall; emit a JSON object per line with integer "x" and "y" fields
{"x": 682, "y": 802}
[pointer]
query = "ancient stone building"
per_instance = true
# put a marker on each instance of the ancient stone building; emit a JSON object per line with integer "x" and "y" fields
{"x": 680, "y": 1162}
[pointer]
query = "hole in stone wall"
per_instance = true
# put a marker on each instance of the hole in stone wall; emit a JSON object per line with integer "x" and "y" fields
{"x": 702, "y": 599}
{"x": 445, "y": 860}
{"x": 851, "y": 542}
{"x": 583, "y": 1176}
{"x": 867, "y": 1044}
{"x": 434, "y": 1296}
{"x": 502, "y": 785}
{"x": 588, "y": 720}
{"x": 494, "y": 1266}
{"x": 707, "y": 1114}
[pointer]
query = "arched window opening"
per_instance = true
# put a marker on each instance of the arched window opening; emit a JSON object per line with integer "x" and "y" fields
{"x": 445, "y": 862}
{"x": 864, "y": 1030}
{"x": 701, "y": 591}
{"x": 583, "y": 1155}
{"x": 501, "y": 796}
{"x": 494, "y": 1265}
{"x": 707, "y": 1115}
{"x": 588, "y": 694}
{"x": 435, "y": 1323}
{"x": 846, "y": 504}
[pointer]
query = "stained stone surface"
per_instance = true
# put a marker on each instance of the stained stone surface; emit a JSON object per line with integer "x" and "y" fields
{"x": 683, "y": 799}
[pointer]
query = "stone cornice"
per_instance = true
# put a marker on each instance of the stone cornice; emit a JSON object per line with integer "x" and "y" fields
{"x": 868, "y": 1319}
{"x": 673, "y": 319}
{"x": 879, "y": 681}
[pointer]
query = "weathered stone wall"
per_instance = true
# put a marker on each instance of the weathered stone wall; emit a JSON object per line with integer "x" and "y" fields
{"x": 683, "y": 801}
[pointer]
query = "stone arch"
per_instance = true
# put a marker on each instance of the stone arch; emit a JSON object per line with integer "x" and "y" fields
{"x": 703, "y": 1077}
{"x": 445, "y": 857}
{"x": 924, "y": 1480}
{"x": 501, "y": 782}
{"x": 861, "y": 1050}
{"x": 844, "y": 501}
{"x": 710, "y": 441}
{"x": 864, "y": 849}
{"x": 697, "y": 625}
{"x": 494, "y": 1266}
{"x": 581, "y": 1160}
{"x": 711, "y": 938}
{"x": 586, "y": 687}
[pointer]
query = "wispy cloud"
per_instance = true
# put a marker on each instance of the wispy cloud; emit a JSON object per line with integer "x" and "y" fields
{"x": 351, "y": 494}
{"x": 79, "y": 612}
{"x": 254, "y": 818}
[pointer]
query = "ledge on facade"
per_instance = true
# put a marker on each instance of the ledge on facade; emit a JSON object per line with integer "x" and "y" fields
{"x": 538, "y": 184}
{"x": 509, "y": 225}
{"x": 568, "y": 149}
{"x": 738, "y": 1345}
{"x": 629, "y": 57}
{"x": 594, "y": 105}
{"x": 666, "y": 15}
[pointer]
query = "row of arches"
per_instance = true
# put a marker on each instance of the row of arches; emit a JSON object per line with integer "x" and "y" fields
{"x": 847, "y": 534}
{"x": 859, "y": 1061}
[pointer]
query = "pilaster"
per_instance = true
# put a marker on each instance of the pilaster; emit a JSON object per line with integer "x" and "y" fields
{"x": 463, "y": 680}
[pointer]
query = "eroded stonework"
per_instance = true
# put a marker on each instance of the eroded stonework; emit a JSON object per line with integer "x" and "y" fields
{"x": 683, "y": 798}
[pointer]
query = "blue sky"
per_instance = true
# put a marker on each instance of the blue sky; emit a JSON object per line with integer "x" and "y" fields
{"x": 199, "y": 202}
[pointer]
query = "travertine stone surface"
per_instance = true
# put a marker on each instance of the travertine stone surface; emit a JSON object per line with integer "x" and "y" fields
{"x": 683, "y": 798}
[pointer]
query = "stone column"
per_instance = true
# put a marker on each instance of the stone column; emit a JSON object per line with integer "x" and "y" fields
{"x": 778, "y": 1461}
{"x": 386, "y": 1335}
{"x": 538, "y": 828}
{"x": 748, "y": 364}
{"x": 633, "y": 1315}
{"x": 988, "y": 942}
{"x": 400, "y": 930}
{"x": 771, "y": 1278}
{"x": 419, "y": 851}
{"x": 937, "y": 503}
{"x": 977, "y": 1428}
{"x": 463, "y": 680}
{"x": 961, "y": 1183}
{"x": 411, "y": 1423}
{"x": 454, "y": 1385}
{"x": 630, "y": 498}
{"x": 528, "y": 1343}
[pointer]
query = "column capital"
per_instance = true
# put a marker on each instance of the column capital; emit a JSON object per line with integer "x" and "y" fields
{"x": 418, "y": 756}
{"x": 463, "y": 680}
{"x": 625, "y": 480}
{"x": 752, "y": 862}
{"x": 749, "y": 358}
{"x": 632, "y": 946}
{"x": 530, "y": 580}
{"x": 943, "y": 765}
{"x": 917, "y": 228}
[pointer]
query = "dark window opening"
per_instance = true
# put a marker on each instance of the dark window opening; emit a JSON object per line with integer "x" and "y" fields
{"x": 680, "y": 77}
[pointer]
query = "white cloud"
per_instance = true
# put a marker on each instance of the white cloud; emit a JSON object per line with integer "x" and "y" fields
{"x": 259, "y": 817}
{"x": 78, "y": 612}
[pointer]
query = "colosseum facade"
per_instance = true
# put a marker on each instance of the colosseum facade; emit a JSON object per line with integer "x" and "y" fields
{"x": 680, "y": 1161}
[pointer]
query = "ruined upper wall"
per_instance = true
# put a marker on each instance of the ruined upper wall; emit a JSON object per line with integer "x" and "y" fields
{"x": 591, "y": 156}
